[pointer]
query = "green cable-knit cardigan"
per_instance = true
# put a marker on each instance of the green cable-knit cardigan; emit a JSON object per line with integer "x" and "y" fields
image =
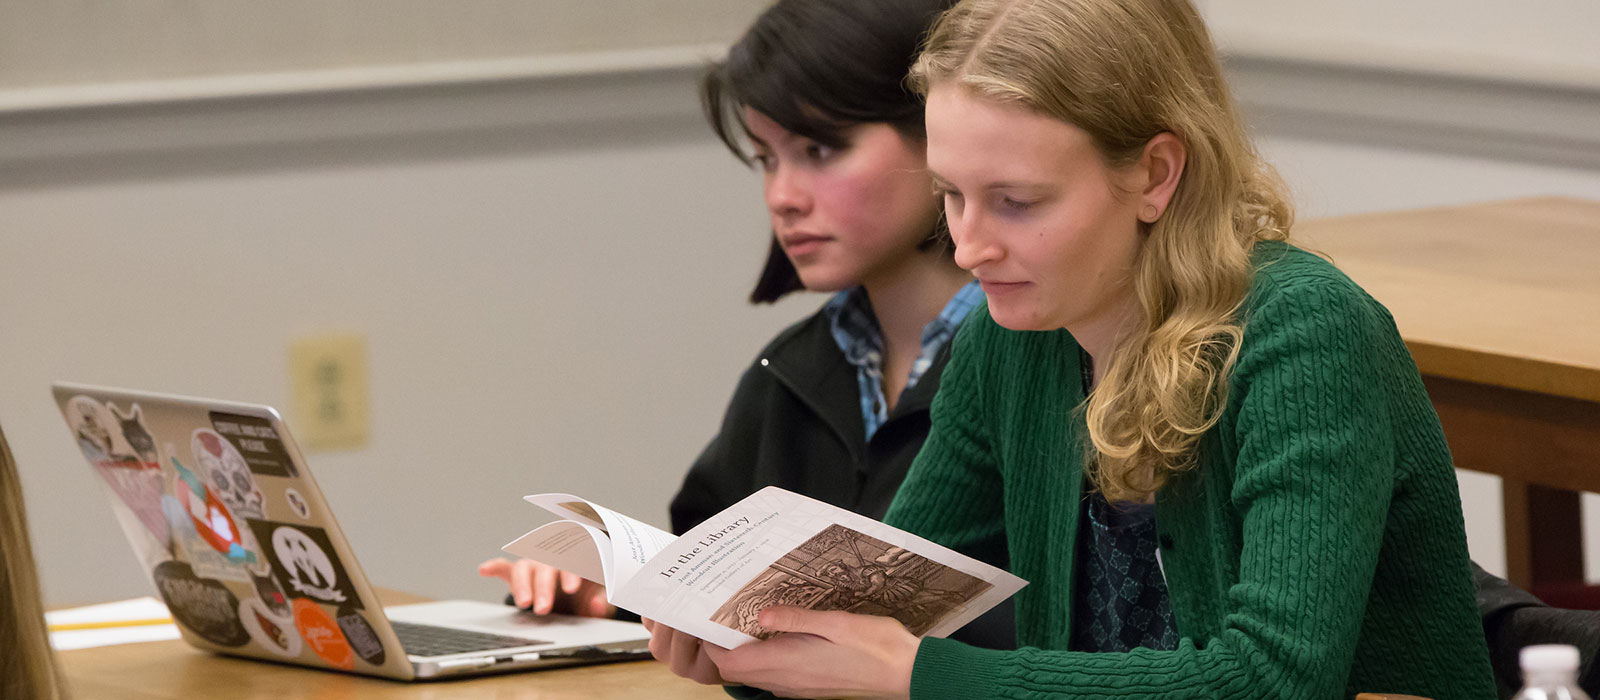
{"x": 1315, "y": 551}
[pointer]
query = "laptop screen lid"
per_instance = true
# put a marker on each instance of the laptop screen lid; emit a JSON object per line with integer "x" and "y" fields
{"x": 223, "y": 513}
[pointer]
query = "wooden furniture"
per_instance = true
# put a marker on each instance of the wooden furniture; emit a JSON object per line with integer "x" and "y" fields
{"x": 1500, "y": 305}
{"x": 174, "y": 670}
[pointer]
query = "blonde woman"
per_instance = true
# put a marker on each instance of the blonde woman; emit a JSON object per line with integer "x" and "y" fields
{"x": 27, "y": 666}
{"x": 1209, "y": 451}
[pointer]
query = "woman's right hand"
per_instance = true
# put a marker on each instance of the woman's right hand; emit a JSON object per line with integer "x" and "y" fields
{"x": 539, "y": 587}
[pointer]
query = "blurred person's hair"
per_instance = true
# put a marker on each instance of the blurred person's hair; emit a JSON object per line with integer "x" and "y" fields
{"x": 27, "y": 664}
{"x": 818, "y": 68}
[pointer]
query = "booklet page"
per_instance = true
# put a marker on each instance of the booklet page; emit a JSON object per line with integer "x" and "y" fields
{"x": 570, "y": 546}
{"x": 779, "y": 548}
{"x": 629, "y": 544}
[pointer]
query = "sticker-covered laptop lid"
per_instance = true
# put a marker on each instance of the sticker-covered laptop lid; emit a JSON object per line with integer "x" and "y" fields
{"x": 233, "y": 531}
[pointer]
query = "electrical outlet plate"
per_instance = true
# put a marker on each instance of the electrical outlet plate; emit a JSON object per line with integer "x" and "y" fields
{"x": 329, "y": 391}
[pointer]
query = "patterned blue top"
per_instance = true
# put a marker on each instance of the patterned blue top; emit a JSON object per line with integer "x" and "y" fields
{"x": 855, "y": 329}
{"x": 1122, "y": 595}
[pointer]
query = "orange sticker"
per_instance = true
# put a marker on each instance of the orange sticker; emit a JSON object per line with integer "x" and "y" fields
{"x": 322, "y": 633}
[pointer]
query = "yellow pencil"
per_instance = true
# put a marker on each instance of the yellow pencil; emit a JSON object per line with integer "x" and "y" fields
{"x": 109, "y": 624}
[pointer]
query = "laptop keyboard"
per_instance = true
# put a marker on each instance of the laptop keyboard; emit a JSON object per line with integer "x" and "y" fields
{"x": 430, "y": 640}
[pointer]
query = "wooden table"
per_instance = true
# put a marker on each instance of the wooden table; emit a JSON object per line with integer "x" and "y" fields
{"x": 1500, "y": 305}
{"x": 174, "y": 670}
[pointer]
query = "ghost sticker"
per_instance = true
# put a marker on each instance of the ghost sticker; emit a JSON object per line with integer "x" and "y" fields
{"x": 361, "y": 636}
{"x": 302, "y": 564}
{"x": 275, "y": 633}
{"x": 203, "y": 606}
{"x": 322, "y": 635}
{"x": 227, "y": 472}
{"x": 297, "y": 503}
{"x": 309, "y": 568}
{"x": 137, "y": 483}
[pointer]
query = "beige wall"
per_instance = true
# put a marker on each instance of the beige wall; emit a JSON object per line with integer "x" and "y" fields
{"x": 1539, "y": 40}
{"x": 67, "y": 42}
{"x": 56, "y": 42}
{"x": 547, "y": 307}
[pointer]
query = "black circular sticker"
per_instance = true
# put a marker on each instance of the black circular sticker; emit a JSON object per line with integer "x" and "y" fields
{"x": 204, "y": 606}
{"x": 361, "y": 636}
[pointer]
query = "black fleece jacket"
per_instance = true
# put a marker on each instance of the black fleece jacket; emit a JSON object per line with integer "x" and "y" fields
{"x": 795, "y": 422}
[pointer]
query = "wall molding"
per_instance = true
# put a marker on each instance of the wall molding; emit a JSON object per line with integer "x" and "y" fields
{"x": 39, "y": 127}
{"x": 1552, "y": 123}
{"x": 352, "y": 79}
{"x": 651, "y": 91}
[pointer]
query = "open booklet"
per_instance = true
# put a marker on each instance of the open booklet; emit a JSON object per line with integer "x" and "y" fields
{"x": 775, "y": 547}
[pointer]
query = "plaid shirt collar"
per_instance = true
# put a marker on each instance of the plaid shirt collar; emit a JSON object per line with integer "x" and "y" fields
{"x": 855, "y": 330}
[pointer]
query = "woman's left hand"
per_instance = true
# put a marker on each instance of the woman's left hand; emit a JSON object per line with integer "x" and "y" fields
{"x": 683, "y": 653}
{"x": 824, "y": 654}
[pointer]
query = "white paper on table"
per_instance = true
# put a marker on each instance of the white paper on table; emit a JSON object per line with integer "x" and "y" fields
{"x": 146, "y": 608}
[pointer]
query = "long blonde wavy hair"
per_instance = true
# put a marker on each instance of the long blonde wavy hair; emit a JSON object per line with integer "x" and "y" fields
{"x": 27, "y": 665}
{"x": 1125, "y": 71}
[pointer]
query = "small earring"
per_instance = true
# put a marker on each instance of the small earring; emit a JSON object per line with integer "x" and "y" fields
{"x": 1148, "y": 214}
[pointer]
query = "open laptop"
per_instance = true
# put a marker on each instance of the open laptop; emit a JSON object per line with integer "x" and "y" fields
{"x": 222, "y": 511}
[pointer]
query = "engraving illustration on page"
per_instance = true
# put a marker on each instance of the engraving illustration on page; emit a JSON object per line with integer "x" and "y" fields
{"x": 843, "y": 569}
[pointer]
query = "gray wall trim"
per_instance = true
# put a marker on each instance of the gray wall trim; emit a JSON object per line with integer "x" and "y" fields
{"x": 1557, "y": 124}
{"x": 556, "y": 101}
{"x": 174, "y": 119}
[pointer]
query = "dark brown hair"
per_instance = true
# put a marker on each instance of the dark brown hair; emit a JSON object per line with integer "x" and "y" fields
{"x": 817, "y": 68}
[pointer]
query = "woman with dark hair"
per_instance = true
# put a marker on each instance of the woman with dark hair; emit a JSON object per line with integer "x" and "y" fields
{"x": 836, "y": 406}
{"x": 816, "y": 70}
